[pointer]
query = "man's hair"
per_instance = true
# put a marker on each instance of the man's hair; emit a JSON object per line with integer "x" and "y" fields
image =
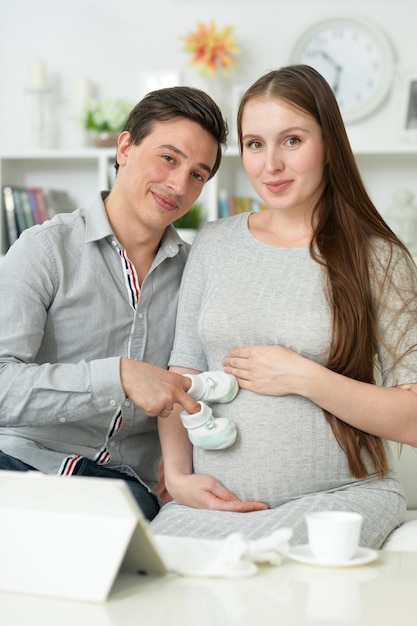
{"x": 188, "y": 102}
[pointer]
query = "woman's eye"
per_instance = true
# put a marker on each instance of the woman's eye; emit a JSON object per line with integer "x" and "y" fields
{"x": 254, "y": 144}
{"x": 293, "y": 141}
{"x": 168, "y": 158}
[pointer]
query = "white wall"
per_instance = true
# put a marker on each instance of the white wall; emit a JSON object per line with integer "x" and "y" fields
{"x": 114, "y": 43}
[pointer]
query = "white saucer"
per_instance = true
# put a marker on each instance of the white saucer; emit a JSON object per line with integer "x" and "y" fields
{"x": 303, "y": 554}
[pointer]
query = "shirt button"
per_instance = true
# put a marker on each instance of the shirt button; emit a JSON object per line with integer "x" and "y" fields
{"x": 112, "y": 444}
{"x": 140, "y": 316}
{"x": 62, "y": 420}
{"x": 112, "y": 402}
{"x": 127, "y": 403}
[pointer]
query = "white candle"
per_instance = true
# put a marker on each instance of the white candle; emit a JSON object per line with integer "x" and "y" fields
{"x": 38, "y": 78}
{"x": 83, "y": 93}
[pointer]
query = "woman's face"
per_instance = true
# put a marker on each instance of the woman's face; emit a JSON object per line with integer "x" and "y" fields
{"x": 283, "y": 154}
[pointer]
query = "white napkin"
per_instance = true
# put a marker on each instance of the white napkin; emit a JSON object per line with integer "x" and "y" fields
{"x": 232, "y": 557}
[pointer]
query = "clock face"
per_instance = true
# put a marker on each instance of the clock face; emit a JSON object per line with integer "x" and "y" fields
{"x": 354, "y": 57}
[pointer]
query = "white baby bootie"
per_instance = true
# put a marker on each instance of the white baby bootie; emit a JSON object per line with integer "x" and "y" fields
{"x": 206, "y": 431}
{"x": 213, "y": 386}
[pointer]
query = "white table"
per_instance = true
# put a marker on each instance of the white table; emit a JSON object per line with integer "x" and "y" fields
{"x": 382, "y": 593}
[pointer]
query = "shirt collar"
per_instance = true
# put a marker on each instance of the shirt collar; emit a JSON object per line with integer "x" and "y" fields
{"x": 171, "y": 241}
{"x": 98, "y": 227}
{"x": 97, "y": 223}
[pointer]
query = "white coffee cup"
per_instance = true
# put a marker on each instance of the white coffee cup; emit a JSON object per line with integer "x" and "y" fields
{"x": 333, "y": 536}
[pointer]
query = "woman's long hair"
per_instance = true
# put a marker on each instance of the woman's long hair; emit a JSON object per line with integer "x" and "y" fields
{"x": 344, "y": 220}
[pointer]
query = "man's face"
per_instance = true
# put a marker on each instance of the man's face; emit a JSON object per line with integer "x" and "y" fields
{"x": 161, "y": 178}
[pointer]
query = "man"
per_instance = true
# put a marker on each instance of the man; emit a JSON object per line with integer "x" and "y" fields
{"x": 89, "y": 303}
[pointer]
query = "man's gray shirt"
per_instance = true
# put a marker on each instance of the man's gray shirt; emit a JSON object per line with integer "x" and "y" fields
{"x": 66, "y": 319}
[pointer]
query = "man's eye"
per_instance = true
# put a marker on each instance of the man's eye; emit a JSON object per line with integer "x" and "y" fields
{"x": 199, "y": 177}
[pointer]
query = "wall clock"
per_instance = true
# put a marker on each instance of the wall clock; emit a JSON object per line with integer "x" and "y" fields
{"x": 354, "y": 56}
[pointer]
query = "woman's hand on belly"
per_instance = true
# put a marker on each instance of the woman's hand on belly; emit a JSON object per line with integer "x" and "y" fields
{"x": 204, "y": 492}
{"x": 268, "y": 370}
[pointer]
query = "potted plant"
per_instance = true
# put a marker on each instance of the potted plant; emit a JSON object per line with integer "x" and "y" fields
{"x": 105, "y": 119}
{"x": 188, "y": 224}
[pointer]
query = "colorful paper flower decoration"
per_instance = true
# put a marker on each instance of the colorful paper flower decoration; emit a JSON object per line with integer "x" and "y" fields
{"x": 213, "y": 50}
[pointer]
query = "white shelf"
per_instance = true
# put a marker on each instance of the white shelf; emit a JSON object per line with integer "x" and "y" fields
{"x": 84, "y": 153}
{"x": 82, "y": 173}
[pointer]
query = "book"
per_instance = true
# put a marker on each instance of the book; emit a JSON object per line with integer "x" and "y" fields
{"x": 239, "y": 204}
{"x": 34, "y": 206}
{"x": 18, "y": 209}
{"x": 25, "y": 206}
{"x": 258, "y": 206}
{"x": 223, "y": 204}
{"x": 12, "y": 229}
{"x": 232, "y": 205}
{"x": 38, "y": 204}
{"x": 243, "y": 204}
{"x": 57, "y": 201}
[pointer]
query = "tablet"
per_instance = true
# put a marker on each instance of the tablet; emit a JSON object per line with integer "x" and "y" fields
{"x": 70, "y": 537}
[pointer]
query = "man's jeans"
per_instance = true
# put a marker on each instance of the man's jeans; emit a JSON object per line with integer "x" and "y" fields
{"x": 147, "y": 502}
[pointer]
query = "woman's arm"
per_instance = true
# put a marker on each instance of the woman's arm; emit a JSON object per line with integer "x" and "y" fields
{"x": 194, "y": 490}
{"x": 387, "y": 412}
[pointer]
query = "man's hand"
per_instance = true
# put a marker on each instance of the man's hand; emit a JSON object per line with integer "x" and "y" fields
{"x": 154, "y": 389}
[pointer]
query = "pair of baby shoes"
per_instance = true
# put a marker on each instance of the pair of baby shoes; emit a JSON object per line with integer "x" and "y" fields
{"x": 205, "y": 430}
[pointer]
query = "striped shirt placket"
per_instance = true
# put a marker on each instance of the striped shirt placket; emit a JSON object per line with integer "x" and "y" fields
{"x": 133, "y": 292}
{"x": 69, "y": 465}
{"x": 131, "y": 278}
{"x": 103, "y": 457}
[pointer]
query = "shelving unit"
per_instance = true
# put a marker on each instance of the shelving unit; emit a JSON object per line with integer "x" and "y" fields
{"x": 385, "y": 170}
{"x": 82, "y": 173}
